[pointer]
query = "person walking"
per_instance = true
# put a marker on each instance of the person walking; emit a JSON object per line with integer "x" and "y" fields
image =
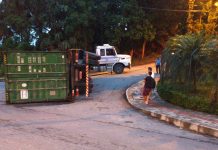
{"x": 150, "y": 70}
{"x": 148, "y": 86}
{"x": 158, "y": 63}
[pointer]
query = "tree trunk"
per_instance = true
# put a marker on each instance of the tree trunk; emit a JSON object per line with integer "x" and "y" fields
{"x": 143, "y": 49}
{"x": 131, "y": 53}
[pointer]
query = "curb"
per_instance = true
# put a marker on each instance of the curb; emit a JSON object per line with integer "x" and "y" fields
{"x": 181, "y": 122}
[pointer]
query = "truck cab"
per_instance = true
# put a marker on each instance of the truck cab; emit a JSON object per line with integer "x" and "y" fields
{"x": 109, "y": 56}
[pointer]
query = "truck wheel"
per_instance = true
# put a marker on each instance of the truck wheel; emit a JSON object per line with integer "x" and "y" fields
{"x": 118, "y": 68}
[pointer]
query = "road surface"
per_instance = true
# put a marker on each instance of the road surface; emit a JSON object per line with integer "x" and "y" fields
{"x": 105, "y": 121}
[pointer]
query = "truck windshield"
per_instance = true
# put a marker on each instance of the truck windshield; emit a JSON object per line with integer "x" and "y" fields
{"x": 110, "y": 52}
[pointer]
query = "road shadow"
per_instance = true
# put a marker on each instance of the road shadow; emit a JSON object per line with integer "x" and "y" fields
{"x": 40, "y": 104}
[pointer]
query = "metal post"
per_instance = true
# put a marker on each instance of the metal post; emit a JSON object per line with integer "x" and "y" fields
{"x": 87, "y": 75}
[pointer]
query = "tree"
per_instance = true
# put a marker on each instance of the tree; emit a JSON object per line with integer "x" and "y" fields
{"x": 138, "y": 26}
{"x": 182, "y": 58}
{"x": 209, "y": 55}
{"x": 166, "y": 22}
{"x": 206, "y": 19}
{"x": 51, "y": 24}
{"x": 190, "y": 60}
{"x": 15, "y": 24}
{"x": 124, "y": 23}
{"x": 62, "y": 24}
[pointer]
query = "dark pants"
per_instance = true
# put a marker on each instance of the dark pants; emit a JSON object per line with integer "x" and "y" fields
{"x": 157, "y": 68}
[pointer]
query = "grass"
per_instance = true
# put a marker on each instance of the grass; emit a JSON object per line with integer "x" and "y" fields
{"x": 194, "y": 101}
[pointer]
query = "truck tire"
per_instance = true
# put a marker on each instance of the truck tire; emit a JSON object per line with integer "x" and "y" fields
{"x": 118, "y": 68}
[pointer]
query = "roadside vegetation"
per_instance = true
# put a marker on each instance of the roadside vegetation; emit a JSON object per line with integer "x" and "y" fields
{"x": 1, "y": 71}
{"x": 51, "y": 25}
{"x": 1, "y": 67}
{"x": 58, "y": 25}
{"x": 189, "y": 76}
{"x": 146, "y": 60}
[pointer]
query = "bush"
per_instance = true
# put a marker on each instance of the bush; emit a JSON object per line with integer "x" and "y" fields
{"x": 1, "y": 70}
{"x": 192, "y": 101}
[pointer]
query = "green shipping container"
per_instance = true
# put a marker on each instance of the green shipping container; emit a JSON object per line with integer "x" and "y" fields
{"x": 36, "y": 76}
{"x": 35, "y": 64}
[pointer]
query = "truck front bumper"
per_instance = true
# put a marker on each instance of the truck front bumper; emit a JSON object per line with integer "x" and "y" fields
{"x": 129, "y": 66}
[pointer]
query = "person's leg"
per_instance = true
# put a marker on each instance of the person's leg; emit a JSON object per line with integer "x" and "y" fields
{"x": 145, "y": 99}
{"x": 156, "y": 69}
{"x": 144, "y": 94}
{"x": 159, "y": 69}
{"x": 148, "y": 97}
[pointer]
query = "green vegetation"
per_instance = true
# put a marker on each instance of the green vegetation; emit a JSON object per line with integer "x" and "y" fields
{"x": 189, "y": 75}
{"x": 62, "y": 24}
{"x": 204, "y": 20}
{"x": 198, "y": 101}
{"x": 139, "y": 27}
{"x": 1, "y": 66}
{"x": 1, "y": 70}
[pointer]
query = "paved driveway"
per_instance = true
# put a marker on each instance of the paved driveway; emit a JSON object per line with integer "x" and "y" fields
{"x": 105, "y": 121}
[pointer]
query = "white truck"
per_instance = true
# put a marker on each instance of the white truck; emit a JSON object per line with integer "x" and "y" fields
{"x": 110, "y": 58}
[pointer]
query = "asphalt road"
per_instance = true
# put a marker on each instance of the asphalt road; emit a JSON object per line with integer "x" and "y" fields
{"x": 105, "y": 121}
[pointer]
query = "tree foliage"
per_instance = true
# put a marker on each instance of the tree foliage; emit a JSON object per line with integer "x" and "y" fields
{"x": 62, "y": 24}
{"x": 206, "y": 19}
{"x": 191, "y": 60}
